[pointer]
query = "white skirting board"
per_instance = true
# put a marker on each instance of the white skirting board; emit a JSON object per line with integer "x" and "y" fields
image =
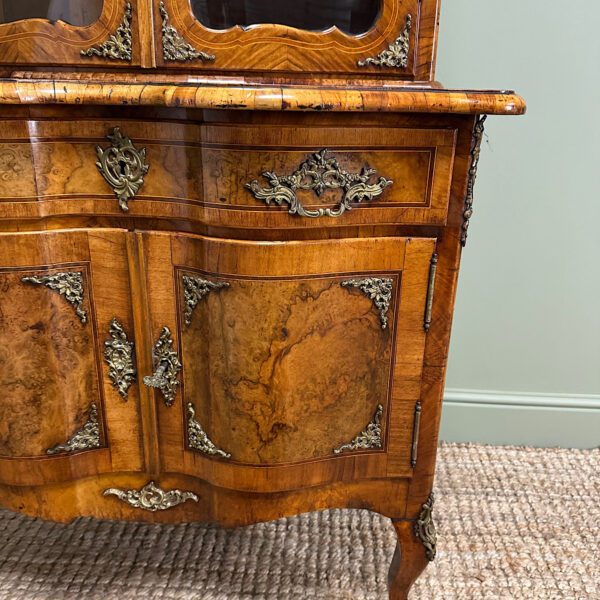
{"x": 521, "y": 419}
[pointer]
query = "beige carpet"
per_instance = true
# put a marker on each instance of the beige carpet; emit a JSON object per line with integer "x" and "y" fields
{"x": 513, "y": 523}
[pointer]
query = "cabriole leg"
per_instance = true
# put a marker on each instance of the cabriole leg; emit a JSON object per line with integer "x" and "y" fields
{"x": 417, "y": 541}
{"x": 408, "y": 563}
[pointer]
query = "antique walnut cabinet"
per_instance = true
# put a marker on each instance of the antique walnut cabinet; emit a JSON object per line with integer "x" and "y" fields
{"x": 230, "y": 235}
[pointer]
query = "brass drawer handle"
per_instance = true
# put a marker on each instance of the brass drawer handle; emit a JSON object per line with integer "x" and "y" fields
{"x": 319, "y": 173}
{"x": 166, "y": 367}
{"x": 123, "y": 167}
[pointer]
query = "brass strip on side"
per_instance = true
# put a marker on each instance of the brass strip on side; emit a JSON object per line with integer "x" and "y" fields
{"x": 478, "y": 132}
{"x": 415, "y": 439}
{"x": 430, "y": 290}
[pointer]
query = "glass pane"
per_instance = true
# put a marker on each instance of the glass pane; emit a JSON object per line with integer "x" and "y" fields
{"x": 75, "y": 12}
{"x": 351, "y": 16}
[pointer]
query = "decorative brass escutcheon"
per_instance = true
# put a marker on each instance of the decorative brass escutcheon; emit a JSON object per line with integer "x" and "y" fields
{"x": 123, "y": 166}
{"x": 166, "y": 367}
{"x": 119, "y": 356}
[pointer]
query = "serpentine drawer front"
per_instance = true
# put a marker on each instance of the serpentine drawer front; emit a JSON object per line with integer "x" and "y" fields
{"x": 241, "y": 176}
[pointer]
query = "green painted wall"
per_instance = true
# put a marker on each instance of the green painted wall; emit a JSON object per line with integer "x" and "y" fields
{"x": 528, "y": 310}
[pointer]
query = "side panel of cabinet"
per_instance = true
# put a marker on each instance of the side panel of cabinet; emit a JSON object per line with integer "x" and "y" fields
{"x": 64, "y": 316}
{"x": 301, "y": 361}
{"x": 401, "y": 43}
{"x": 113, "y": 40}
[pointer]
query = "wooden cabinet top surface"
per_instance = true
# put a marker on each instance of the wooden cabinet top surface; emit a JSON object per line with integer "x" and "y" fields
{"x": 240, "y": 94}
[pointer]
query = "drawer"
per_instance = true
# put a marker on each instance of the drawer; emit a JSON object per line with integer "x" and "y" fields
{"x": 241, "y": 175}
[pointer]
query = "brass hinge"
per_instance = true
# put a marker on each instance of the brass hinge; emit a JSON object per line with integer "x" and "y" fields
{"x": 430, "y": 290}
{"x": 415, "y": 440}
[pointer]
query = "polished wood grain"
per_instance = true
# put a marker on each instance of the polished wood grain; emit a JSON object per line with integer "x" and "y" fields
{"x": 408, "y": 562}
{"x": 269, "y": 364}
{"x": 42, "y": 42}
{"x": 249, "y": 348}
{"x": 282, "y": 365}
{"x": 272, "y": 47}
{"x": 49, "y": 375}
{"x": 65, "y": 502}
{"x": 241, "y": 95}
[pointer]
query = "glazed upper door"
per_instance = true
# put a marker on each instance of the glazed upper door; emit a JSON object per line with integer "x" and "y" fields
{"x": 371, "y": 37}
{"x": 285, "y": 364}
{"x": 68, "y": 406}
{"x": 82, "y": 33}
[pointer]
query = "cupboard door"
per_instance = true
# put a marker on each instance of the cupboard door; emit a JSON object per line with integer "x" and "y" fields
{"x": 369, "y": 37}
{"x": 282, "y": 355}
{"x": 68, "y": 406}
{"x": 70, "y": 32}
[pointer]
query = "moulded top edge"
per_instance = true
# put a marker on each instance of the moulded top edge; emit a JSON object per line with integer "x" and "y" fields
{"x": 364, "y": 98}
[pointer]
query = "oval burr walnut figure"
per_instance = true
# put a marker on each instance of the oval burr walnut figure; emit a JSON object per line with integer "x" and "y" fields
{"x": 228, "y": 262}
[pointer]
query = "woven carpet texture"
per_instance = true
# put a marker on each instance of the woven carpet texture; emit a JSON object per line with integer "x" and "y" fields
{"x": 512, "y": 523}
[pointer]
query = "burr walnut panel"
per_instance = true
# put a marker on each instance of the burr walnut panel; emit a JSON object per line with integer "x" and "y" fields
{"x": 48, "y": 378}
{"x": 213, "y": 173}
{"x": 269, "y": 364}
